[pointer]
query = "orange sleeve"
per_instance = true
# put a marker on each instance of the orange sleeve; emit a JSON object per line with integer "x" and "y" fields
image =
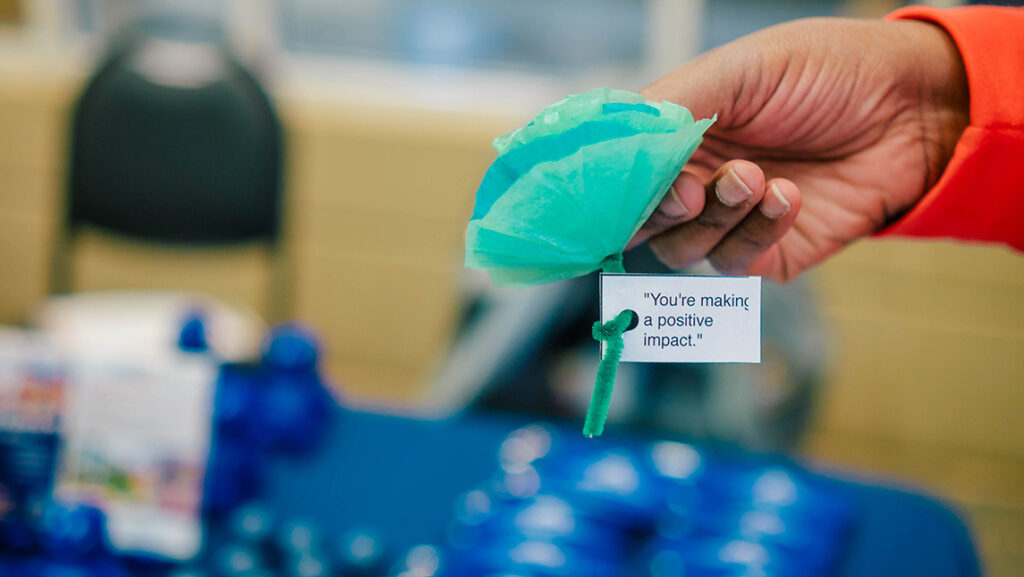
{"x": 980, "y": 196}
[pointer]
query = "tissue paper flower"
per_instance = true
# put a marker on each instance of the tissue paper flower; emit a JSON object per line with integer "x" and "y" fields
{"x": 571, "y": 188}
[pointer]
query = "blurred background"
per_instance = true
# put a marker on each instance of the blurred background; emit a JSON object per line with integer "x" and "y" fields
{"x": 316, "y": 161}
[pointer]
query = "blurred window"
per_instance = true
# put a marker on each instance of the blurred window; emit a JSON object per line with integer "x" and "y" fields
{"x": 727, "y": 20}
{"x": 105, "y": 16}
{"x": 545, "y": 34}
{"x": 548, "y": 36}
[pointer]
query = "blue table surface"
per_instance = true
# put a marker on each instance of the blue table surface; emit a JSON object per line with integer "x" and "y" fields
{"x": 401, "y": 477}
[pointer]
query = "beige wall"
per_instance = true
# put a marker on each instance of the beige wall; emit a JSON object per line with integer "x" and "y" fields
{"x": 377, "y": 204}
{"x": 928, "y": 344}
{"x": 32, "y": 120}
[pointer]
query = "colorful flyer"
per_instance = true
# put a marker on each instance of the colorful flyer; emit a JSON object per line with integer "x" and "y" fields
{"x": 136, "y": 441}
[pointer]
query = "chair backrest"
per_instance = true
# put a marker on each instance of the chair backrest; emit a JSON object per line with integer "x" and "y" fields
{"x": 175, "y": 143}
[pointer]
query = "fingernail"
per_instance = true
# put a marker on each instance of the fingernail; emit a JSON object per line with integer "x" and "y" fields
{"x": 675, "y": 207}
{"x": 731, "y": 190}
{"x": 774, "y": 204}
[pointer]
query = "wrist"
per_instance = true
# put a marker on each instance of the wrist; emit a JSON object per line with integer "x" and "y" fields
{"x": 942, "y": 97}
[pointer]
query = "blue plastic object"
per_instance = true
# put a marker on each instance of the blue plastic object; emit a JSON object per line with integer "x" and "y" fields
{"x": 188, "y": 572}
{"x": 360, "y": 553}
{"x": 19, "y": 567}
{"x": 544, "y": 518}
{"x": 412, "y": 471}
{"x": 292, "y": 405}
{"x": 192, "y": 337}
{"x": 73, "y": 532}
{"x": 236, "y": 399}
{"x": 106, "y": 567}
{"x": 534, "y": 557}
{"x": 234, "y": 473}
{"x": 238, "y": 560}
{"x": 280, "y": 404}
{"x": 613, "y": 486}
{"x": 291, "y": 348}
{"x": 306, "y": 564}
{"x": 779, "y": 489}
{"x": 297, "y": 536}
{"x": 292, "y": 411}
{"x": 725, "y": 557}
{"x": 424, "y": 561}
{"x": 252, "y": 523}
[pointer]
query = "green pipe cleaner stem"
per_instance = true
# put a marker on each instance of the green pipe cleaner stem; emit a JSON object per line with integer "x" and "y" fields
{"x": 611, "y": 334}
{"x": 613, "y": 264}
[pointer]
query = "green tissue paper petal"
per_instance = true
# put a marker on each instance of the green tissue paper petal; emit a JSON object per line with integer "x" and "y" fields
{"x": 574, "y": 185}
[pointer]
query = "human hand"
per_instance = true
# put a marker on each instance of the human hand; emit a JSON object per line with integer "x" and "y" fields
{"x": 842, "y": 125}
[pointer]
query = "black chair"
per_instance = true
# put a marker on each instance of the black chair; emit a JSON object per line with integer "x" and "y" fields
{"x": 173, "y": 142}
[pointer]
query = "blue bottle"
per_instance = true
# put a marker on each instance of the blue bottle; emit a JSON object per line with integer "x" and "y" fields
{"x": 291, "y": 348}
{"x": 293, "y": 404}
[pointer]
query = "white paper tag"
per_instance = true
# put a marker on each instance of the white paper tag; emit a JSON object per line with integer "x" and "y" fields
{"x": 686, "y": 319}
